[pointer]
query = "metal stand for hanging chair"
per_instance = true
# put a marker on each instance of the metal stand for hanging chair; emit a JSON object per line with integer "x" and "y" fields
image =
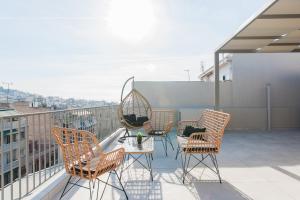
{"x": 134, "y": 109}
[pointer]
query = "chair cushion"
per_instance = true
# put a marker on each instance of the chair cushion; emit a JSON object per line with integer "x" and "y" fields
{"x": 190, "y": 129}
{"x": 140, "y": 120}
{"x": 93, "y": 165}
{"x": 182, "y": 141}
{"x": 131, "y": 119}
{"x": 200, "y": 149}
{"x": 156, "y": 133}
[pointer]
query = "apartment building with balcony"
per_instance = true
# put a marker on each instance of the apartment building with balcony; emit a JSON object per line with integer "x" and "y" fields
{"x": 225, "y": 70}
{"x": 12, "y": 129}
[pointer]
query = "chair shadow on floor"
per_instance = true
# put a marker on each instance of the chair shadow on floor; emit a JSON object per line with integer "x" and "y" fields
{"x": 143, "y": 189}
{"x": 207, "y": 190}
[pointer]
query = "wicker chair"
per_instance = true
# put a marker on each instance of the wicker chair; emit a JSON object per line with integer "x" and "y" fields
{"x": 207, "y": 143}
{"x": 162, "y": 135}
{"x": 134, "y": 109}
{"x": 84, "y": 158}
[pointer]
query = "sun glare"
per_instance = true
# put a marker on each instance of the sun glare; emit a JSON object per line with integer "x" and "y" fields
{"x": 131, "y": 20}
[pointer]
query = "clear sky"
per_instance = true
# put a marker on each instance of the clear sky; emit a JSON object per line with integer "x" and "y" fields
{"x": 88, "y": 48}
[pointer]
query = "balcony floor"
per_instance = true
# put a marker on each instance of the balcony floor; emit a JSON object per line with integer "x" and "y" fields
{"x": 253, "y": 165}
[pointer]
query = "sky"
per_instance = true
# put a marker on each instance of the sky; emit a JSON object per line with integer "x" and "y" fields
{"x": 87, "y": 48}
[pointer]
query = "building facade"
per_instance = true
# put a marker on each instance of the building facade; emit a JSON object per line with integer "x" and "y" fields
{"x": 12, "y": 128}
{"x": 225, "y": 71}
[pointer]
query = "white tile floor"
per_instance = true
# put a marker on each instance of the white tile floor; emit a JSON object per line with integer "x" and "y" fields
{"x": 253, "y": 165}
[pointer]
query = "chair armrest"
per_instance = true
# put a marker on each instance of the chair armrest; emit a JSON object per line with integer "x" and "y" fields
{"x": 200, "y": 135}
{"x": 147, "y": 126}
{"x": 113, "y": 157}
{"x": 168, "y": 127}
{"x": 187, "y": 121}
{"x": 208, "y": 138}
{"x": 182, "y": 124}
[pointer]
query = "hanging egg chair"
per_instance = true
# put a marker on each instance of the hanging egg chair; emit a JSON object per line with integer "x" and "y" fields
{"x": 134, "y": 108}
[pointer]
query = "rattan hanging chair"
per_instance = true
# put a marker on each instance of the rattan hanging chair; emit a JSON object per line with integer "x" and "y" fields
{"x": 134, "y": 108}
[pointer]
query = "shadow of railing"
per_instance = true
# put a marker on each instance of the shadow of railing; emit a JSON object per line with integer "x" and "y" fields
{"x": 144, "y": 189}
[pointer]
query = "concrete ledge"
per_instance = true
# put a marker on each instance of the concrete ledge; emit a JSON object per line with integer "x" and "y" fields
{"x": 51, "y": 188}
{"x": 106, "y": 142}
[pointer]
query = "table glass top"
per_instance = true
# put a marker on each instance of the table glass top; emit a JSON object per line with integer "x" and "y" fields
{"x": 131, "y": 146}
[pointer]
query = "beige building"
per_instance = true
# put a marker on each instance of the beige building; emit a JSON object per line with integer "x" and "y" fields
{"x": 225, "y": 71}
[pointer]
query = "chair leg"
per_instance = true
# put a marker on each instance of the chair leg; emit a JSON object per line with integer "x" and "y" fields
{"x": 162, "y": 140}
{"x": 187, "y": 166}
{"x": 119, "y": 178}
{"x": 106, "y": 183}
{"x": 105, "y": 186}
{"x": 214, "y": 160}
{"x": 184, "y": 170}
{"x": 166, "y": 143}
{"x": 178, "y": 149}
{"x": 90, "y": 188}
{"x": 62, "y": 194}
{"x": 98, "y": 188}
{"x": 170, "y": 141}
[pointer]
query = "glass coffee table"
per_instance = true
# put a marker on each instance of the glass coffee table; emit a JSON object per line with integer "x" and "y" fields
{"x": 135, "y": 151}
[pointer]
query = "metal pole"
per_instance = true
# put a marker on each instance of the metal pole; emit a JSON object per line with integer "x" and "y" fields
{"x": 19, "y": 156}
{"x": 27, "y": 153}
{"x": 188, "y": 72}
{"x": 11, "y": 159}
{"x": 2, "y": 159}
{"x": 217, "y": 83}
{"x": 7, "y": 84}
{"x": 268, "y": 86}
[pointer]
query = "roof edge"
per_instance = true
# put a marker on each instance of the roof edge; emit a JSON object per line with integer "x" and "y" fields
{"x": 247, "y": 23}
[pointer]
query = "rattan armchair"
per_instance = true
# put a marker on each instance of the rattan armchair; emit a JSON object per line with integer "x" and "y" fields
{"x": 160, "y": 135}
{"x": 84, "y": 159}
{"x": 206, "y": 144}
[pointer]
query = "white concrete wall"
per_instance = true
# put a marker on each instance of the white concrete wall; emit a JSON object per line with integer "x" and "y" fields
{"x": 244, "y": 97}
{"x": 252, "y": 72}
{"x": 226, "y": 71}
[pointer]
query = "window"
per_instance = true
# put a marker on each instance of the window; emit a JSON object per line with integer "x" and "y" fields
{"x": 7, "y": 158}
{"x": 14, "y": 137}
{"x": 7, "y": 139}
{"x": 22, "y": 152}
{"x": 6, "y": 178}
{"x": 15, "y": 155}
{"x": 22, "y": 131}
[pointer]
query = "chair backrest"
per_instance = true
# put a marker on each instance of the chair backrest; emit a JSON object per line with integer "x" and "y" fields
{"x": 162, "y": 117}
{"x": 215, "y": 122}
{"x": 168, "y": 126}
{"x": 78, "y": 148}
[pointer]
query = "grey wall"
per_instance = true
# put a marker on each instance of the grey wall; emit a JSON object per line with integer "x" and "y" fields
{"x": 244, "y": 98}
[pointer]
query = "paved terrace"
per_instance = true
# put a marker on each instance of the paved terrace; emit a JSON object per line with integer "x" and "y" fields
{"x": 253, "y": 165}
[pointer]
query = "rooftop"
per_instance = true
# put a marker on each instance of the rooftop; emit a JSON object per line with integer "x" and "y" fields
{"x": 7, "y": 112}
{"x": 253, "y": 165}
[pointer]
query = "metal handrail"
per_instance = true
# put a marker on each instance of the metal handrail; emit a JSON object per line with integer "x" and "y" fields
{"x": 30, "y": 135}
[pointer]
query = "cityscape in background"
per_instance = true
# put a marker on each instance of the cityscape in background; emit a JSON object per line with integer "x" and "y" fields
{"x": 11, "y": 97}
{"x": 27, "y": 135}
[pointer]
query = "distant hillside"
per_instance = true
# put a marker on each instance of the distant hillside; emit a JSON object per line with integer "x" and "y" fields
{"x": 50, "y": 101}
{"x": 13, "y": 94}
